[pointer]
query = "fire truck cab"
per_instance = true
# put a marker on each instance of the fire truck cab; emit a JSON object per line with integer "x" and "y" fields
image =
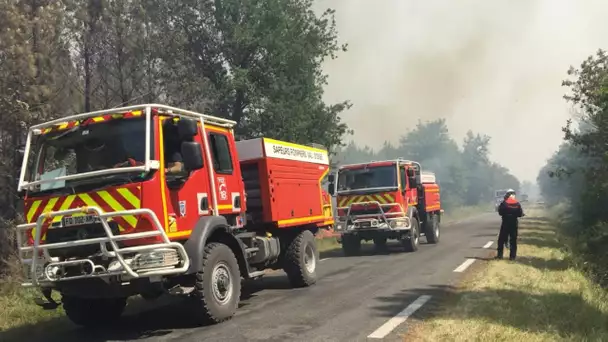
{"x": 383, "y": 200}
{"x": 152, "y": 199}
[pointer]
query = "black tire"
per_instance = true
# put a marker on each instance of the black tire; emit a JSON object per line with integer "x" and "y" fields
{"x": 301, "y": 259}
{"x": 217, "y": 289}
{"x": 411, "y": 243}
{"x": 380, "y": 244}
{"x": 351, "y": 245}
{"x": 93, "y": 312}
{"x": 432, "y": 230}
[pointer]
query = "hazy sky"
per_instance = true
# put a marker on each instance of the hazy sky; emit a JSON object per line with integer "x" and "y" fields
{"x": 491, "y": 66}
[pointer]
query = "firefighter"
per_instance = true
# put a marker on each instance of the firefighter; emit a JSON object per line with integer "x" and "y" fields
{"x": 510, "y": 210}
{"x": 172, "y": 146}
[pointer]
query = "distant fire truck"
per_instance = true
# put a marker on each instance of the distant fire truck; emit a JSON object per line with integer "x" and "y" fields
{"x": 383, "y": 200}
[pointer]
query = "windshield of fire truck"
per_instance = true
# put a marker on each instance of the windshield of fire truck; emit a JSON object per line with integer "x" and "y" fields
{"x": 86, "y": 148}
{"x": 367, "y": 178}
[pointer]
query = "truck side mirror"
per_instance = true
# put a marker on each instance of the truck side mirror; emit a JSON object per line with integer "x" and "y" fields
{"x": 331, "y": 187}
{"x": 186, "y": 128}
{"x": 192, "y": 155}
{"x": 411, "y": 173}
{"x": 413, "y": 181}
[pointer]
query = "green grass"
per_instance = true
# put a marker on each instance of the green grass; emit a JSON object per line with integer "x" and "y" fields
{"x": 539, "y": 297}
{"x": 19, "y": 308}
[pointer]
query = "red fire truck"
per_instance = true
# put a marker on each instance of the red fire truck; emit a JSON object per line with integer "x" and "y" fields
{"x": 109, "y": 214}
{"x": 384, "y": 200}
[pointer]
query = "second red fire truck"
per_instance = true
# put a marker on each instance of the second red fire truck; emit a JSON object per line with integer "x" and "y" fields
{"x": 381, "y": 200}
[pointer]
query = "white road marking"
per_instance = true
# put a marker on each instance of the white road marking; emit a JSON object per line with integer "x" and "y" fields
{"x": 464, "y": 265}
{"x": 401, "y": 317}
{"x": 487, "y": 245}
{"x": 324, "y": 259}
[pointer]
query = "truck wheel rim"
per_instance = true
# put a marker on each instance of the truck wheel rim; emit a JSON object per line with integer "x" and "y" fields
{"x": 436, "y": 230}
{"x": 310, "y": 261}
{"x": 222, "y": 283}
{"x": 415, "y": 232}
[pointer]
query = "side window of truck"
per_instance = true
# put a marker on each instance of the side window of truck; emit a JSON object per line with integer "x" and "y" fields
{"x": 222, "y": 160}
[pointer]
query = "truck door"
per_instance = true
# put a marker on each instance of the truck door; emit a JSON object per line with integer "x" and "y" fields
{"x": 409, "y": 192}
{"x": 228, "y": 182}
{"x": 186, "y": 196}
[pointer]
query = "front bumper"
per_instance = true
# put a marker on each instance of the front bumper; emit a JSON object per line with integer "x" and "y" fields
{"x": 358, "y": 225}
{"x": 153, "y": 260}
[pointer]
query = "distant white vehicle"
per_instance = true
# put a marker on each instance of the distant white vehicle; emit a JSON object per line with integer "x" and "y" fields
{"x": 499, "y": 196}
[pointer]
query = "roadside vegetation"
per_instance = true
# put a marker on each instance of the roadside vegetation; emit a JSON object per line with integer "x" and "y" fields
{"x": 576, "y": 177}
{"x": 541, "y": 296}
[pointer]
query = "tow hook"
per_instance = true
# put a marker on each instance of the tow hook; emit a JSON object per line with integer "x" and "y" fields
{"x": 50, "y": 303}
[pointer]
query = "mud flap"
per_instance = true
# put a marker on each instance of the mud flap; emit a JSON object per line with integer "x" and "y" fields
{"x": 50, "y": 303}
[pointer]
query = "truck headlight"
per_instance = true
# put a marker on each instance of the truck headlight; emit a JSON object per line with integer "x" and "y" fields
{"x": 397, "y": 223}
{"x": 165, "y": 257}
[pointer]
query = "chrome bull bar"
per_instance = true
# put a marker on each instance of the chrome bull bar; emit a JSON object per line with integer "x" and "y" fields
{"x": 396, "y": 217}
{"x": 124, "y": 267}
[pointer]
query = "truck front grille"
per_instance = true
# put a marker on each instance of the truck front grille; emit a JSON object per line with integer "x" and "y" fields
{"x": 76, "y": 233}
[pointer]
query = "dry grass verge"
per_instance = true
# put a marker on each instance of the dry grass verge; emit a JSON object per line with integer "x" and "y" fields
{"x": 539, "y": 297}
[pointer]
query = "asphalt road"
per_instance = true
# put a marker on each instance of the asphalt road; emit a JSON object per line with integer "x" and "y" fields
{"x": 354, "y": 297}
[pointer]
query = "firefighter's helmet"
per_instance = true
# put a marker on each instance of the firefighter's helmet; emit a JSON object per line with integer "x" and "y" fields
{"x": 509, "y": 193}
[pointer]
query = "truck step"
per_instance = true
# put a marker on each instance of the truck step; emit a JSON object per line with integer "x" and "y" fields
{"x": 246, "y": 235}
{"x": 256, "y": 274}
{"x": 181, "y": 290}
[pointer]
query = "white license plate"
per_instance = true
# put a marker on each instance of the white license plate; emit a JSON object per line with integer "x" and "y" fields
{"x": 79, "y": 220}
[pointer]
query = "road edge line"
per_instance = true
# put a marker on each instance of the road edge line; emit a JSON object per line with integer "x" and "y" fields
{"x": 399, "y": 318}
{"x": 464, "y": 265}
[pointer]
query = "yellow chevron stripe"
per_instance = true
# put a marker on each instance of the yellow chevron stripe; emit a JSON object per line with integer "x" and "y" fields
{"x": 33, "y": 209}
{"x": 88, "y": 200}
{"x": 66, "y": 205}
{"x": 344, "y": 202}
{"x": 381, "y": 199}
{"x": 98, "y": 119}
{"x": 49, "y": 206}
{"x": 117, "y": 207}
{"x": 128, "y": 195}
